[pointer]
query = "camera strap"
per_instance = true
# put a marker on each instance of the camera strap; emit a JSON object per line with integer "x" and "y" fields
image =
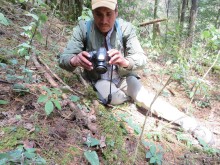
{"x": 110, "y": 90}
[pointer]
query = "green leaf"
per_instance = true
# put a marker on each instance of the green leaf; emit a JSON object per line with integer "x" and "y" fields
{"x": 152, "y": 160}
{"x": 29, "y": 155}
{"x": 92, "y": 157}
{"x": 38, "y": 36}
{"x": 74, "y": 98}
{"x": 25, "y": 45}
{"x": 47, "y": 90}
{"x": 3, "y": 65}
{"x": 159, "y": 162}
{"x": 110, "y": 143}
{"x": 206, "y": 34}
{"x": 33, "y": 16}
{"x": 19, "y": 87}
{"x": 3, "y": 102}
{"x": 27, "y": 57}
{"x": 11, "y": 156}
{"x": 153, "y": 149}
{"x": 3, "y": 20}
{"x": 49, "y": 107}
{"x": 42, "y": 99}
{"x": 148, "y": 155}
{"x": 43, "y": 18}
{"x": 202, "y": 142}
{"x": 18, "y": 117}
{"x": 191, "y": 94}
{"x": 91, "y": 142}
{"x": 41, "y": 161}
{"x": 57, "y": 104}
{"x": 56, "y": 91}
{"x": 26, "y": 28}
{"x": 22, "y": 51}
{"x": 14, "y": 61}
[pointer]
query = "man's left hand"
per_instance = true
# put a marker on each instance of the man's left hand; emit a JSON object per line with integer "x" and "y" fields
{"x": 117, "y": 58}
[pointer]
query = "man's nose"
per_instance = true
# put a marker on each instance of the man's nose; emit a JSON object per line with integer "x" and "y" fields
{"x": 104, "y": 19}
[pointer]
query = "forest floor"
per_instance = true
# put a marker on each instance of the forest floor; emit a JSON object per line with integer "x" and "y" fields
{"x": 61, "y": 139}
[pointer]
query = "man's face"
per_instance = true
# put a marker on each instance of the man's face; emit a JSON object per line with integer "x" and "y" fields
{"x": 104, "y": 18}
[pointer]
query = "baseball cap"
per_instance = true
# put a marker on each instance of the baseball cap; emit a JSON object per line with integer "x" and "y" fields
{"x": 111, "y": 4}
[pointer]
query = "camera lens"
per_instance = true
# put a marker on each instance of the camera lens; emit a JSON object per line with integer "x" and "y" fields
{"x": 101, "y": 68}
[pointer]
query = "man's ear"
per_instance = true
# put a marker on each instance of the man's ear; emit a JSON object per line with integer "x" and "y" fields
{"x": 116, "y": 13}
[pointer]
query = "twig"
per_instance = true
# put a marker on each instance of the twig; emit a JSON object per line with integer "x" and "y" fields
{"x": 146, "y": 116}
{"x": 79, "y": 74}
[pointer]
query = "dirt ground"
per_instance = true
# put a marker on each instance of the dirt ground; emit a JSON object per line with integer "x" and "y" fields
{"x": 59, "y": 133}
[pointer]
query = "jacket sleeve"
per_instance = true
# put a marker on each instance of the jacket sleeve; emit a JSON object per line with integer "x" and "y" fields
{"x": 133, "y": 50}
{"x": 74, "y": 46}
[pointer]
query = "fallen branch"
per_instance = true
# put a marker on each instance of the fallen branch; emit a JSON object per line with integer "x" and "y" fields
{"x": 78, "y": 114}
{"x": 152, "y": 22}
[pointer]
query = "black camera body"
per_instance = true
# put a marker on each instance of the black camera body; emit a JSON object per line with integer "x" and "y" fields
{"x": 99, "y": 60}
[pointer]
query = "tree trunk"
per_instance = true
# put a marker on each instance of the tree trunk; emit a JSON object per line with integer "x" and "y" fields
{"x": 168, "y": 2}
{"x": 182, "y": 16}
{"x": 217, "y": 23}
{"x": 155, "y": 16}
{"x": 192, "y": 20}
{"x": 179, "y": 11}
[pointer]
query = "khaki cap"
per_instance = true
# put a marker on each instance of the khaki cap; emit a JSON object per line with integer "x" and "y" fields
{"x": 111, "y": 4}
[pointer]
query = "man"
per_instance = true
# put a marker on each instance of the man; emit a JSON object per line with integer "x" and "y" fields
{"x": 120, "y": 82}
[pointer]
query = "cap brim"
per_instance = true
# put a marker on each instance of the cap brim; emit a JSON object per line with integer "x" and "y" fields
{"x": 107, "y": 4}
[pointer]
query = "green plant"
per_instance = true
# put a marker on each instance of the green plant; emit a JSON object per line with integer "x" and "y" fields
{"x": 154, "y": 153}
{"x": 51, "y": 99}
{"x": 207, "y": 149}
{"x": 3, "y": 102}
{"x": 4, "y": 20}
{"x": 21, "y": 155}
{"x": 181, "y": 137}
{"x": 92, "y": 157}
{"x": 33, "y": 30}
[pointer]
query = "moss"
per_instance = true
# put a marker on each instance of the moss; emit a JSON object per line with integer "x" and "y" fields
{"x": 115, "y": 139}
{"x": 13, "y": 136}
{"x": 3, "y": 59}
{"x": 91, "y": 94}
{"x": 64, "y": 158}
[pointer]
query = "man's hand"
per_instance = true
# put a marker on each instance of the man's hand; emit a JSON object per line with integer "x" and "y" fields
{"x": 117, "y": 58}
{"x": 81, "y": 59}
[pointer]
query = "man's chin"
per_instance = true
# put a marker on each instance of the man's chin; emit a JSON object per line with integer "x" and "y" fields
{"x": 104, "y": 30}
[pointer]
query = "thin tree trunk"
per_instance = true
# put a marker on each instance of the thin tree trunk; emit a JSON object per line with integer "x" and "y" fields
{"x": 179, "y": 11}
{"x": 192, "y": 20}
{"x": 217, "y": 23}
{"x": 155, "y": 16}
{"x": 168, "y": 2}
{"x": 182, "y": 16}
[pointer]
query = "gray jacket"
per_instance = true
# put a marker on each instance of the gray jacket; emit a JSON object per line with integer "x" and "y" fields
{"x": 130, "y": 48}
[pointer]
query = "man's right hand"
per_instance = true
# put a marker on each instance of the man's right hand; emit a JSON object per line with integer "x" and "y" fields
{"x": 81, "y": 59}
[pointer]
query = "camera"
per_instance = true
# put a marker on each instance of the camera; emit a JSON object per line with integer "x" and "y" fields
{"x": 99, "y": 60}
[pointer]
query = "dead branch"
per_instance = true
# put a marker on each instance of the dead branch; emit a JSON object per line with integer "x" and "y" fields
{"x": 78, "y": 114}
{"x": 152, "y": 22}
